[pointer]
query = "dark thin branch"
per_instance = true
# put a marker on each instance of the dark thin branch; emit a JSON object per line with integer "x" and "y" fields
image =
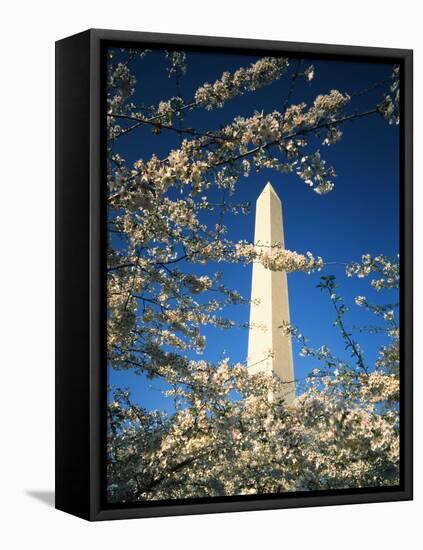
{"x": 351, "y": 343}
{"x": 189, "y": 131}
{"x": 155, "y": 119}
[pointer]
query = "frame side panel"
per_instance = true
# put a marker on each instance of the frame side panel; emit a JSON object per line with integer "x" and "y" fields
{"x": 406, "y": 353}
{"x": 72, "y": 275}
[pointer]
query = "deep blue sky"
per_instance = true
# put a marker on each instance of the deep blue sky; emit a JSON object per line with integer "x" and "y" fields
{"x": 360, "y": 215}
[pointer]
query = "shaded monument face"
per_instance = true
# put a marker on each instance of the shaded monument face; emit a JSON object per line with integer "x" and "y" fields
{"x": 269, "y": 351}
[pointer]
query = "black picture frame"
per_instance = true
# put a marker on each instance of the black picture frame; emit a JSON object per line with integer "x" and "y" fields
{"x": 80, "y": 292}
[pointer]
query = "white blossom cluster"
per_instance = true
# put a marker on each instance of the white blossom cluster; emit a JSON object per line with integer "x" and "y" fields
{"x": 177, "y": 63}
{"x": 122, "y": 81}
{"x": 215, "y": 445}
{"x": 276, "y": 258}
{"x": 387, "y": 268}
{"x": 313, "y": 171}
{"x": 390, "y": 106}
{"x": 261, "y": 73}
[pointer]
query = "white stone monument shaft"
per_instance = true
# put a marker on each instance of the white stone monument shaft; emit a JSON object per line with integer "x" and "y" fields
{"x": 271, "y": 288}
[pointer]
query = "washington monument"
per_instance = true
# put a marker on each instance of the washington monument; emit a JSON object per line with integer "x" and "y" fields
{"x": 269, "y": 351}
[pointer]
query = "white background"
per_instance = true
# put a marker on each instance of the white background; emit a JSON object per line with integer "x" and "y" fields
{"x": 28, "y": 32}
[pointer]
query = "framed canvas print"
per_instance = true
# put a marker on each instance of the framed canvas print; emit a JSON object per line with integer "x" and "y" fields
{"x": 234, "y": 274}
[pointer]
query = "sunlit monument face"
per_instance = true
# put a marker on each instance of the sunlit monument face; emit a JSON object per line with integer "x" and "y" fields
{"x": 269, "y": 351}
